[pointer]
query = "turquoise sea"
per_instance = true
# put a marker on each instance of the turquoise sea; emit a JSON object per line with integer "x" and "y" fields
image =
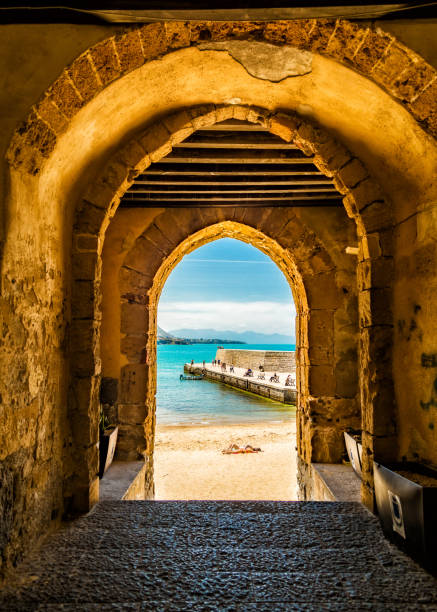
{"x": 205, "y": 402}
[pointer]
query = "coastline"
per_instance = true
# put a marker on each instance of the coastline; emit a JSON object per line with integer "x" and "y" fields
{"x": 189, "y": 463}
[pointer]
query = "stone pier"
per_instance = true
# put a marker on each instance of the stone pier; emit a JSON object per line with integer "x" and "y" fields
{"x": 275, "y": 391}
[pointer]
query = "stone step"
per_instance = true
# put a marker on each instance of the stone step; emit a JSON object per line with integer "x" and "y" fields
{"x": 139, "y": 555}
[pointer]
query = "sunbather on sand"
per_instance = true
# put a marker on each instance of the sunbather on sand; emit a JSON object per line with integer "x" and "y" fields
{"x": 234, "y": 449}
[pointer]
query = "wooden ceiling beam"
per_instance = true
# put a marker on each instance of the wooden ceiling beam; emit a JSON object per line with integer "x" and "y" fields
{"x": 197, "y": 182}
{"x": 240, "y": 140}
{"x": 232, "y": 204}
{"x": 275, "y": 189}
{"x": 234, "y": 125}
{"x": 222, "y": 198}
{"x": 207, "y": 156}
{"x": 198, "y": 170}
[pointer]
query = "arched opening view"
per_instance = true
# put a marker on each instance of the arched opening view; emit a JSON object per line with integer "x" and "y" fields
{"x": 226, "y": 378}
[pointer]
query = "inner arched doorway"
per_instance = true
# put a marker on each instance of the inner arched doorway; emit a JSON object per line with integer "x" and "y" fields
{"x": 326, "y": 379}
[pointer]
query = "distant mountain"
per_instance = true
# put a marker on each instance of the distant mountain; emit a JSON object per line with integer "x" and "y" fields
{"x": 163, "y": 334}
{"x": 249, "y": 337}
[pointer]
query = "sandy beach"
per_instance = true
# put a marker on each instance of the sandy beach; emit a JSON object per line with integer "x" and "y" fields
{"x": 189, "y": 463}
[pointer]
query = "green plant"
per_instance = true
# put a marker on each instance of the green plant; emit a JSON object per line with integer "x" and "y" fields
{"x": 104, "y": 423}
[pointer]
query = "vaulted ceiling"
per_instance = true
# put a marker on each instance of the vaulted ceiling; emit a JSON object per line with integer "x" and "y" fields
{"x": 232, "y": 163}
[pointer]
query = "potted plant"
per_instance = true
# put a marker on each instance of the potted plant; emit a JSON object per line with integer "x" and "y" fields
{"x": 354, "y": 449}
{"x": 406, "y": 499}
{"x": 107, "y": 442}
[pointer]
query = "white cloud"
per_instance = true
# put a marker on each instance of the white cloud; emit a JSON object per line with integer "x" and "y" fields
{"x": 265, "y": 317}
{"x": 232, "y": 261}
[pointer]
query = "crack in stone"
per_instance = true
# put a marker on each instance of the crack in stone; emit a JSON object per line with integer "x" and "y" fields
{"x": 263, "y": 60}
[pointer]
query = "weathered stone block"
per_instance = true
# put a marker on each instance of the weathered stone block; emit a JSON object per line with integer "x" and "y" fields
{"x": 366, "y": 192}
{"x": 371, "y": 246}
{"x": 327, "y": 445}
{"x": 320, "y": 34}
{"x": 84, "y": 77}
{"x": 133, "y": 281}
{"x": 179, "y": 126}
{"x": 377, "y": 273}
{"x": 129, "y": 50}
{"x": 115, "y": 180}
{"x": 284, "y": 126}
{"x": 331, "y": 156}
{"x": 133, "y": 384}
{"x": 345, "y": 40}
{"x": 154, "y": 40}
{"x": 350, "y": 175}
{"x": 346, "y": 378}
{"x": 145, "y": 257}
{"x": 85, "y": 427}
{"x": 257, "y": 115}
{"x": 134, "y": 347}
{"x": 178, "y": 34}
{"x": 65, "y": 96}
{"x": 203, "y": 116}
{"x": 424, "y": 106}
{"x": 156, "y": 141}
{"x": 84, "y": 393}
{"x": 321, "y": 380}
{"x": 86, "y": 243}
{"x": 159, "y": 239}
{"x": 132, "y": 414}
{"x": 320, "y": 332}
{"x": 108, "y": 390}
{"x": 392, "y": 64}
{"x": 376, "y": 217}
{"x": 377, "y": 401}
{"x": 240, "y": 112}
{"x": 84, "y": 334}
{"x": 131, "y": 443}
{"x": 89, "y": 218}
{"x": 50, "y": 113}
{"x": 34, "y": 134}
{"x": 375, "y": 307}
{"x": 134, "y": 157}
{"x": 413, "y": 80}
{"x": 371, "y": 50}
{"x": 86, "y": 266}
{"x": 85, "y": 363}
{"x": 85, "y": 300}
{"x": 134, "y": 318}
{"x": 106, "y": 61}
{"x": 322, "y": 291}
{"x": 169, "y": 226}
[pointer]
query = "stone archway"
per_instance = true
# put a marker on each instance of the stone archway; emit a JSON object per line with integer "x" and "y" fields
{"x": 327, "y": 369}
{"x": 363, "y": 201}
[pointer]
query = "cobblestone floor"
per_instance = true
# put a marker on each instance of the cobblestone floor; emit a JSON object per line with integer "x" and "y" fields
{"x": 221, "y": 556}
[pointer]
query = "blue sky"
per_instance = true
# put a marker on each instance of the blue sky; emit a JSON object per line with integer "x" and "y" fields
{"x": 227, "y": 284}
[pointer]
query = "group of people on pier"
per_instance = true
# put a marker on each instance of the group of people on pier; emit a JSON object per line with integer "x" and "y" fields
{"x": 289, "y": 381}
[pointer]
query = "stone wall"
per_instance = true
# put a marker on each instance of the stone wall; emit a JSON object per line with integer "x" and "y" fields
{"x": 272, "y": 361}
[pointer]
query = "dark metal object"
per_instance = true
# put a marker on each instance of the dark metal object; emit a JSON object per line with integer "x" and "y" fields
{"x": 354, "y": 450}
{"x": 137, "y": 11}
{"x": 407, "y": 510}
{"x": 107, "y": 444}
